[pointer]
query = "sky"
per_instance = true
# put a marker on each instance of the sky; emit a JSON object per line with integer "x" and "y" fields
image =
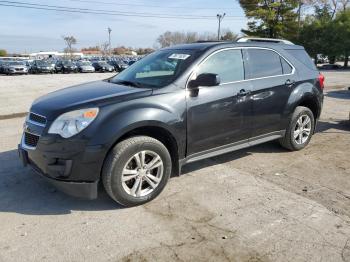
{"x": 29, "y": 30}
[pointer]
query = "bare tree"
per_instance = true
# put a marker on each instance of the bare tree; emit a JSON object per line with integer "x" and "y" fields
{"x": 105, "y": 49}
{"x": 174, "y": 38}
{"x": 70, "y": 41}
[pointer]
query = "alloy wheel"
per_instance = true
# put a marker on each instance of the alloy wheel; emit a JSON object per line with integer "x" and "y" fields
{"x": 142, "y": 173}
{"x": 302, "y": 129}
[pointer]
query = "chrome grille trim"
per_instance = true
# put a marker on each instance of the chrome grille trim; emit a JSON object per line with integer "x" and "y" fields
{"x": 36, "y": 119}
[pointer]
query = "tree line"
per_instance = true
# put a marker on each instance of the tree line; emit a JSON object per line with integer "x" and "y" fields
{"x": 321, "y": 26}
{"x": 174, "y": 38}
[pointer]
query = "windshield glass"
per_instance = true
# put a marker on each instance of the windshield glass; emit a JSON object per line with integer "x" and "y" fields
{"x": 16, "y": 63}
{"x": 67, "y": 63}
{"x": 85, "y": 63}
{"x": 157, "y": 69}
{"x": 41, "y": 63}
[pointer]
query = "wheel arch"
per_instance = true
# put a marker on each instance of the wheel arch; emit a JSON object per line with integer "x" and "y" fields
{"x": 305, "y": 95}
{"x": 157, "y": 131}
{"x": 311, "y": 103}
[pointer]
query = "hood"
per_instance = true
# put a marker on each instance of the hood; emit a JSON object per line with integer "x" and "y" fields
{"x": 44, "y": 66}
{"x": 86, "y": 95}
{"x": 17, "y": 66}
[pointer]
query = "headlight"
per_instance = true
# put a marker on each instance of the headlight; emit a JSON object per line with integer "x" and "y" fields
{"x": 71, "y": 123}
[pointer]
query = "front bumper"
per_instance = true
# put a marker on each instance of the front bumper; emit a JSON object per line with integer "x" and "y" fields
{"x": 70, "y": 166}
{"x": 87, "y": 70}
{"x": 18, "y": 72}
{"x": 41, "y": 70}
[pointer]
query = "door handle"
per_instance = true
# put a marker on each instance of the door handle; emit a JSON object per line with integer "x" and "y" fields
{"x": 243, "y": 92}
{"x": 289, "y": 83}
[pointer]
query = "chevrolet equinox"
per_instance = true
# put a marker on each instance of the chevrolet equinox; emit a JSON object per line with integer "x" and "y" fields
{"x": 175, "y": 106}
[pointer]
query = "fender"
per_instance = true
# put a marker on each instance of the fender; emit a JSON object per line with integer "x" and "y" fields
{"x": 117, "y": 120}
{"x": 305, "y": 91}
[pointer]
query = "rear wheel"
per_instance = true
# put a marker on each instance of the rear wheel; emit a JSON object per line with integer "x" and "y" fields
{"x": 136, "y": 170}
{"x": 300, "y": 129}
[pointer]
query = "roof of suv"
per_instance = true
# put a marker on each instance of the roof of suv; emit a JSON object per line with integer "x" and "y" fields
{"x": 208, "y": 45}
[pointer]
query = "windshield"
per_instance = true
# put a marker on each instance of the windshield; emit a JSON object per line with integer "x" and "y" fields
{"x": 41, "y": 63}
{"x": 85, "y": 64}
{"x": 16, "y": 63}
{"x": 67, "y": 63}
{"x": 157, "y": 69}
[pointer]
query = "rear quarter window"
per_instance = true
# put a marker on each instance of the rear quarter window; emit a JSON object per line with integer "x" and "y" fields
{"x": 287, "y": 69}
{"x": 302, "y": 56}
{"x": 262, "y": 63}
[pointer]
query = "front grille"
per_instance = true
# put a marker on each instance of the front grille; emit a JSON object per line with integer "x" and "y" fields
{"x": 31, "y": 139}
{"x": 37, "y": 118}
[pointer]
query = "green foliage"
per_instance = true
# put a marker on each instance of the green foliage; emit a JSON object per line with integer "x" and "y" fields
{"x": 270, "y": 18}
{"x": 320, "y": 34}
{"x": 314, "y": 32}
{"x": 3, "y": 52}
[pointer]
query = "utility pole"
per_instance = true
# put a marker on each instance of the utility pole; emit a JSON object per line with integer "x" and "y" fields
{"x": 109, "y": 39}
{"x": 220, "y": 17}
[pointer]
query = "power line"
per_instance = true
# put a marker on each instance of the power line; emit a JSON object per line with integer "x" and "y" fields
{"x": 101, "y": 11}
{"x": 153, "y": 6}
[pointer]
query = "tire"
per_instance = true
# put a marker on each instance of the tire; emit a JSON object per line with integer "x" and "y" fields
{"x": 289, "y": 141}
{"x": 122, "y": 157}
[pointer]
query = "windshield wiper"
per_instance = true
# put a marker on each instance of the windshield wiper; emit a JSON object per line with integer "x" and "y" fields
{"x": 128, "y": 83}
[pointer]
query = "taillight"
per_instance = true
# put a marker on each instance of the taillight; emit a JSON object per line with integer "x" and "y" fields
{"x": 321, "y": 79}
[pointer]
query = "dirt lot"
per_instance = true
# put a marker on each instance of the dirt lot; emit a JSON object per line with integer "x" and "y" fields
{"x": 257, "y": 204}
{"x": 18, "y": 92}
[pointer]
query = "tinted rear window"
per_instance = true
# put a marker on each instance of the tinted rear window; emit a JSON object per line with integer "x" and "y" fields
{"x": 262, "y": 63}
{"x": 287, "y": 69}
{"x": 303, "y": 57}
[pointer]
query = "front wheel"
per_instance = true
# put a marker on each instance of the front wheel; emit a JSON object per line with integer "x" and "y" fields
{"x": 136, "y": 170}
{"x": 300, "y": 129}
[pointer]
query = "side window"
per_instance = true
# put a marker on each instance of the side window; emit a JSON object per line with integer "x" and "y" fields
{"x": 262, "y": 63}
{"x": 228, "y": 64}
{"x": 287, "y": 69}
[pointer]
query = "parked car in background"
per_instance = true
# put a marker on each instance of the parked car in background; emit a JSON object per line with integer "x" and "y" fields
{"x": 119, "y": 66}
{"x": 15, "y": 68}
{"x": 102, "y": 66}
{"x": 40, "y": 67}
{"x": 85, "y": 67}
{"x": 66, "y": 66}
{"x": 3, "y": 64}
{"x": 330, "y": 67}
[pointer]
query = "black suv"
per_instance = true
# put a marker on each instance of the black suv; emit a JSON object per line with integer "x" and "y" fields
{"x": 176, "y": 106}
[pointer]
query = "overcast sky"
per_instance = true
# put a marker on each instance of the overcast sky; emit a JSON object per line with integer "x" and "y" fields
{"x": 27, "y": 30}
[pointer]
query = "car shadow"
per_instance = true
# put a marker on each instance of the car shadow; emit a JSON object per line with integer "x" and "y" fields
{"x": 337, "y": 125}
{"x": 23, "y": 191}
{"x": 340, "y": 94}
{"x": 269, "y": 147}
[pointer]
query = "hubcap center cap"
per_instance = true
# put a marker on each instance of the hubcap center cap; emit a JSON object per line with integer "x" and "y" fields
{"x": 143, "y": 172}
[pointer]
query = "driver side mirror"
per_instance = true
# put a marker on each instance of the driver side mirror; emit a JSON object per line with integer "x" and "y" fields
{"x": 206, "y": 79}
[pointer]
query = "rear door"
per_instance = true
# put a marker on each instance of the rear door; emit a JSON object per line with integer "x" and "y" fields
{"x": 272, "y": 79}
{"x": 215, "y": 117}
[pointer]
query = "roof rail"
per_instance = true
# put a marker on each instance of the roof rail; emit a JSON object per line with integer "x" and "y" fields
{"x": 209, "y": 41}
{"x": 269, "y": 40}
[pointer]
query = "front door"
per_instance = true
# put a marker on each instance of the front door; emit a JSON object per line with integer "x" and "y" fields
{"x": 219, "y": 115}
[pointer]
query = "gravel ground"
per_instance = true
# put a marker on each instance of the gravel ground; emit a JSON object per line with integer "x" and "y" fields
{"x": 257, "y": 204}
{"x": 18, "y": 92}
